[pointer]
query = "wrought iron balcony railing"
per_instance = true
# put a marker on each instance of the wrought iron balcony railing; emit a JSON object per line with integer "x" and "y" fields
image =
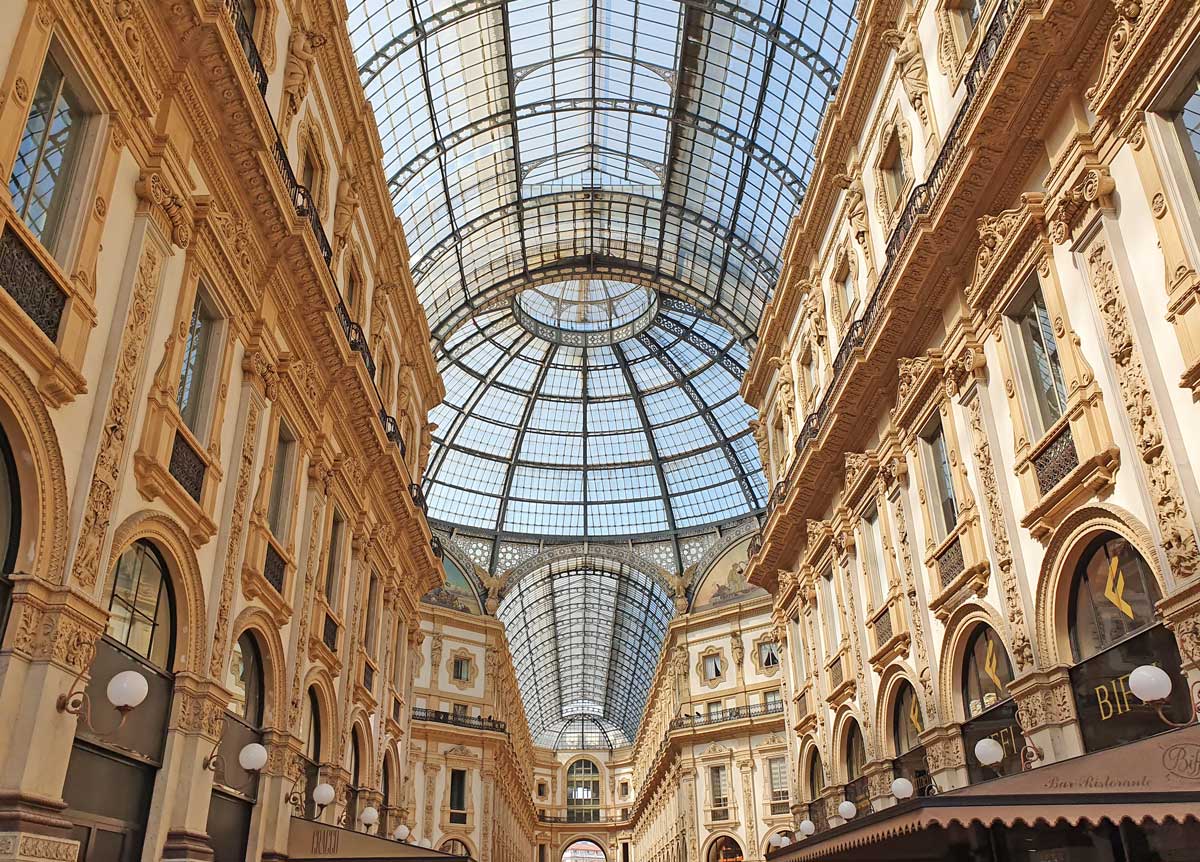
{"x": 473, "y": 722}
{"x": 702, "y": 719}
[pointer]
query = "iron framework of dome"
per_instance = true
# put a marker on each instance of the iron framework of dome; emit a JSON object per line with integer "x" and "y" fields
{"x": 540, "y": 438}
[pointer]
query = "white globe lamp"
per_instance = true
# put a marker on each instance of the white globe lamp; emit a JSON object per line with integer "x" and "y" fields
{"x": 847, "y": 810}
{"x": 902, "y": 788}
{"x": 807, "y": 827}
{"x": 127, "y": 690}
{"x": 989, "y": 752}
{"x": 252, "y": 757}
{"x": 370, "y": 815}
{"x": 1150, "y": 683}
{"x": 401, "y": 832}
{"x": 323, "y": 794}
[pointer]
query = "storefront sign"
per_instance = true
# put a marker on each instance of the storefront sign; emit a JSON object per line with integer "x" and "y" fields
{"x": 1000, "y": 723}
{"x": 1109, "y": 713}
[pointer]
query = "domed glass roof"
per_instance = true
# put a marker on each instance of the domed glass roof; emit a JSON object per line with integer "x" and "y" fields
{"x": 644, "y": 435}
{"x": 586, "y": 305}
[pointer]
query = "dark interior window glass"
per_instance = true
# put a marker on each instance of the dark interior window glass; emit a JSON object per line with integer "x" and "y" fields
{"x": 1112, "y": 597}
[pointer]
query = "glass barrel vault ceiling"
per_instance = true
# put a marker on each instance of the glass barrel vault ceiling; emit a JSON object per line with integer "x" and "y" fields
{"x": 541, "y": 438}
{"x": 656, "y": 140}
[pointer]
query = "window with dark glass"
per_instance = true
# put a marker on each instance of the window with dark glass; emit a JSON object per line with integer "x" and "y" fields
{"x": 140, "y": 613}
{"x": 856, "y": 761}
{"x": 279, "y": 506}
{"x": 47, "y": 154}
{"x": 371, "y": 631}
{"x": 462, "y": 669}
{"x": 719, "y": 785}
{"x": 10, "y": 525}
{"x": 895, "y": 170}
{"x": 195, "y": 376}
{"x": 945, "y": 508}
{"x": 768, "y": 654}
{"x": 312, "y": 730}
{"x": 871, "y": 553}
{"x": 583, "y": 792}
{"x": 458, "y": 796}
{"x": 245, "y": 680}
{"x": 1112, "y": 597}
{"x": 986, "y": 673}
{"x": 772, "y": 700}
{"x": 907, "y": 725}
{"x": 459, "y": 710}
{"x": 778, "y": 778}
{"x": 1042, "y": 366}
{"x": 333, "y": 556}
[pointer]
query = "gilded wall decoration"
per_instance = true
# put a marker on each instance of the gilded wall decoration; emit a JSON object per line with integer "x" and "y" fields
{"x": 1174, "y": 521}
{"x": 106, "y": 476}
{"x": 1021, "y": 647}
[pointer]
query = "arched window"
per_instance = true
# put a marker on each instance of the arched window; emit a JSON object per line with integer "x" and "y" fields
{"x": 907, "y": 724}
{"x": 355, "y": 789}
{"x": 372, "y": 623}
{"x": 1112, "y": 596}
{"x": 455, "y": 846}
{"x": 856, "y": 760}
{"x": 816, "y": 778}
{"x": 245, "y": 682}
{"x": 583, "y": 792}
{"x": 10, "y": 524}
{"x": 986, "y": 672}
{"x": 312, "y": 730}
{"x": 140, "y": 610}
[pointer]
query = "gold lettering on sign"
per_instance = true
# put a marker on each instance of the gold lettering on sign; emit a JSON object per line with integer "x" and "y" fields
{"x": 1118, "y": 703}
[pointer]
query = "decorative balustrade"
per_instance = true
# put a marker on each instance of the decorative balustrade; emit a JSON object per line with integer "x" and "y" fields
{"x": 719, "y": 716}
{"x": 274, "y": 568}
{"x": 920, "y": 202}
{"x": 187, "y": 466}
{"x": 302, "y": 203}
{"x": 30, "y": 284}
{"x": 473, "y": 722}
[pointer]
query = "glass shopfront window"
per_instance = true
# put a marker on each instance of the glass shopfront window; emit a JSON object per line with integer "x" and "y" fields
{"x": 10, "y": 525}
{"x": 856, "y": 760}
{"x": 907, "y": 724}
{"x": 987, "y": 705}
{"x": 1113, "y": 629}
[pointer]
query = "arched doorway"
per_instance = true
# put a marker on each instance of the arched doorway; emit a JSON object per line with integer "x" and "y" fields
{"x": 235, "y": 791}
{"x": 1112, "y": 628}
{"x": 814, "y": 786}
{"x": 907, "y": 725}
{"x": 312, "y": 751}
{"x": 725, "y": 849}
{"x": 110, "y": 777}
{"x": 855, "y": 761}
{"x": 583, "y": 850}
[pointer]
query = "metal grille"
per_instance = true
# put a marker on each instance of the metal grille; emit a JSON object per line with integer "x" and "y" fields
{"x": 28, "y": 282}
{"x": 883, "y": 629}
{"x": 1056, "y": 460}
{"x": 950, "y": 562}
{"x": 187, "y": 466}
{"x": 274, "y": 568}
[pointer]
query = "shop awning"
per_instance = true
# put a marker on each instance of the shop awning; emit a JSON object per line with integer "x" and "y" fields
{"x": 1156, "y": 779}
{"x": 309, "y": 841}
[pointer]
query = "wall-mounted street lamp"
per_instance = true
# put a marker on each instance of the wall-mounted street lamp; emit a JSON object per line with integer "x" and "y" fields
{"x": 807, "y": 827}
{"x": 1152, "y": 685}
{"x": 847, "y": 809}
{"x": 401, "y": 832}
{"x": 989, "y": 752}
{"x": 125, "y": 691}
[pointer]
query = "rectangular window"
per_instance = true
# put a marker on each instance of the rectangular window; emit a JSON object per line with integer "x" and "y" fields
{"x": 1042, "y": 366}
{"x": 780, "y": 795}
{"x": 871, "y": 556}
{"x": 624, "y": 789}
{"x": 714, "y": 707}
{"x": 845, "y": 285}
{"x": 459, "y": 710}
{"x": 895, "y": 170}
{"x": 279, "y": 507}
{"x": 798, "y": 657}
{"x": 196, "y": 374}
{"x": 945, "y": 506}
{"x": 371, "y": 630}
{"x": 720, "y": 792}
{"x": 462, "y": 669}
{"x": 830, "y": 611}
{"x": 768, "y": 654}
{"x": 333, "y": 559}
{"x": 47, "y": 155}
{"x": 458, "y": 796}
{"x": 352, "y": 291}
{"x": 772, "y": 700}
{"x": 712, "y": 667}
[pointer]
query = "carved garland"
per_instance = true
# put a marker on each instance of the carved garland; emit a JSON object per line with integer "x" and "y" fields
{"x": 106, "y": 477}
{"x": 1179, "y": 542}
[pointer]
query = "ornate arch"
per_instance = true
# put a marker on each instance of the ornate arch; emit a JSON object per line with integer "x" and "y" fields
{"x": 715, "y": 836}
{"x": 582, "y": 836}
{"x": 43, "y": 480}
{"x": 954, "y": 645}
{"x": 172, "y": 541}
{"x": 319, "y": 679}
{"x": 593, "y": 551}
{"x": 1066, "y": 545}
{"x": 459, "y": 836}
{"x": 893, "y": 678}
{"x": 262, "y": 627}
{"x": 809, "y": 748}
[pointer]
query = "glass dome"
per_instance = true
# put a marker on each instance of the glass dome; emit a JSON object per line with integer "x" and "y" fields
{"x": 586, "y": 304}
{"x": 646, "y": 435}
